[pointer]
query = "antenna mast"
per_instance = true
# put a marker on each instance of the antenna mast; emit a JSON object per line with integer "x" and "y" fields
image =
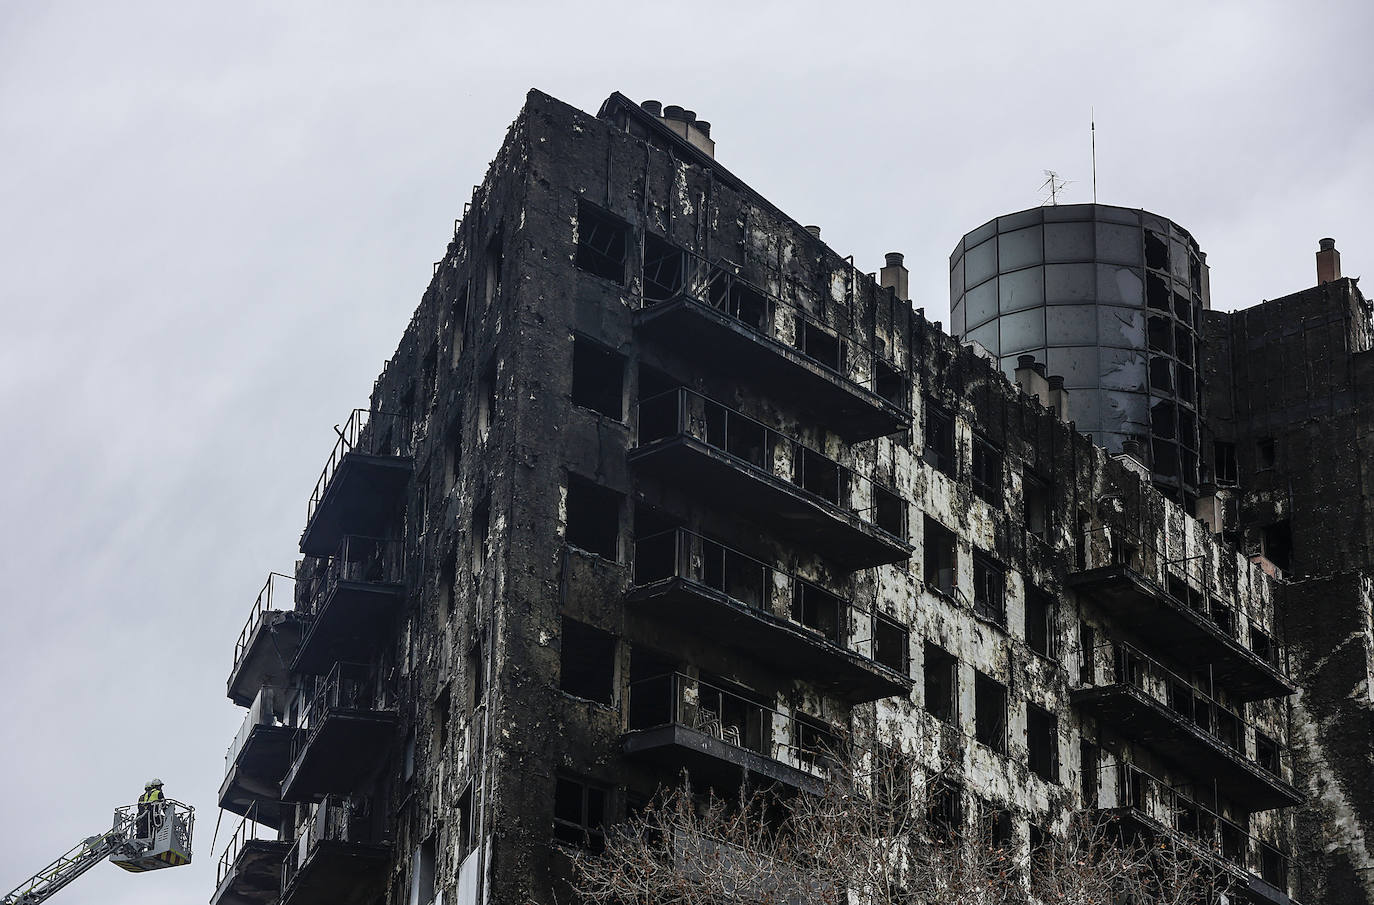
{"x": 1092, "y": 118}
{"x": 1055, "y": 184}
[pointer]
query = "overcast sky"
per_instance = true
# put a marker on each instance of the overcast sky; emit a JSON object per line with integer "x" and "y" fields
{"x": 216, "y": 219}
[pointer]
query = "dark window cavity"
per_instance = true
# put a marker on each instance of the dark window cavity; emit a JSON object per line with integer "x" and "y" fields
{"x": 1035, "y": 501}
{"x": 812, "y": 606}
{"x": 815, "y": 741}
{"x": 477, "y": 675}
{"x": 995, "y": 827}
{"x": 480, "y": 536}
{"x": 1267, "y": 754}
{"x": 822, "y": 347}
{"x": 987, "y": 470}
{"x": 989, "y": 589}
{"x": 890, "y": 643}
{"x": 1224, "y": 458}
{"x": 664, "y": 265}
{"x": 1042, "y": 742}
{"x": 1278, "y": 544}
{"x": 941, "y": 684}
{"x": 491, "y": 284}
{"x": 889, "y": 511}
{"x": 1041, "y": 631}
{"x": 939, "y": 557}
{"x": 939, "y": 440}
{"x": 457, "y": 327}
{"x": 588, "y": 662}
{"x": 486, "y": 400}
{"x": 944, "y": 816}
{"x": 889, "y": 383}
{"x": 601, "y": 243}
{"x": 593, "y": 518}
{"x": 598, "y": 380}
{"x": 990, "y": 712}
{"x": 579, "y": 814}
{"x": 1266, "y": 453}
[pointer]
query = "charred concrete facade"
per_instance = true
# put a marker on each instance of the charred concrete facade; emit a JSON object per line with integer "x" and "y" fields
{"x": 656, "y": 480}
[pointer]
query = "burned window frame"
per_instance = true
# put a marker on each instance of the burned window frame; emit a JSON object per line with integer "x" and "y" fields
{"x": 592, "y": 834}
{"x": 1042, "y": 721}
{"x": 592, "y": 363}
{"x": 1041, "y": 622}
{"x": 901, "y": 639}
{"x": 943, "y": 541}
{"x": 990, "y": 735}
{"x": 940, "y": 449}
{"x": 582, "y": 644}
{"x": 603, "y": 249}
{"x": 986, "y": 471}
{"x": 989, "y": 599}
{"x": 599, "y": 495}
{"x": 940, "y": 669}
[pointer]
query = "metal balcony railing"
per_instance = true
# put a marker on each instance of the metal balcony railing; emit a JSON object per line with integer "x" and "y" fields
{"x": 263, "y": 711}
{"x": 676, "y": 273}
{"x": 1124, "y": 664}
{"x": 273, "y": 592}
{"x": 679, "y": 699}
{"x": 1176, "y": 810}
{"x": 335, "y": 819}
{"x": 371, "y": 433}
{"x": 349, "y": 686}
{"x": 362, "y": 560}
{"x": 248, "y": 830}
{"x": 680, "y": 553}
{"x": 683, "y": 412}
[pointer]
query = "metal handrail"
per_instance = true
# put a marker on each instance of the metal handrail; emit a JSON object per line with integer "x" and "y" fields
{"x": 675, "y": 698}
{"x": 248, "y": 830}
{"x": 717, "y": 287}
{"x": 336, "y": 819}
{"x": 261, "y": 606}
{"x": 719, "y": 426}
{"x": 1137, "y": 669}
{"x": 1131, "y": 789}
{"x": 745, "y": 579}
{"x": 366, "y": 560}
{"x": 367, "y": 431}
{"x": 348, "y": 686}
{"x": 262, "y": 712}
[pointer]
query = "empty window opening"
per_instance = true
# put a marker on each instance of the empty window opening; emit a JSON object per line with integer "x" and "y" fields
{"x": 1087, "y": 641}
{"x": 1224, "y": 617}
{"x": 453, "y": 454}
{"x": 819, "y": 610}
{"x": 995, "y": 827}
{"x": 598, "y": 378}
{"x": 741, "y": 577}
{"x": 938, "y": 548}
{"x": 1157, "y": 291}
{"x": 889, "y": 383}
{"x": 987, "y": 470}
{"x": 1228, "y": 728}
{"x": 1156, "y": 251}
{"x": 1161, "y": 374}
{"x": 408, "y": 757}
{"x": 466, "y": 836}
{"x": 822, "y": 347}
{"x": 477, "y": 675}
{"x": 1161, "y": 335}
{"x": 1042, "y": 632}
{"x": 1042, "y": 740}
{"x": 658, "y": 410}
{"x": 944, "y": 814}
{"x": 486, "y": 400}
{"x": 738, "y": 299}
{"x": 1277, "y": 540}
{"x": 989, "y": 589}
{"x": 422, "y": 873}
{"x": 650, "y": 688}
{"x": 1163, "y": 420}
{"x": 448, "y": 568}
{"x": 815, "y": 741}
{"x": 588, "y": 662}
{"x": 664, "y": 264}
{"x": 593, "y": 518}
{"x": 892, "y": 777}
{"x": 1267, "y": 753}
{"x": 1183, "y": 307}
{"x": 890, "y": 643}
{"x": 492, "y": 277}
{"x": 941, "y": 683}
{"x": 1273, "y": 866}
{"x": 939, "y": 440}
{"x": 1165, "y": 458}
{"x": 658, "y": 549}
{"x": 480, "y": 536}
{"x": 738, "y": 435}
{"x": 1186, "y": 384}
{"x": 601, "y": 243}
{"x": 1183, "y": 344}
{"x": 1035, "y": 502}
{"x": 443, "y": 710}
{"x": 819, "y": 475}
{"x": 889, "y": 511}
{"x": 457, "y": 327}
{"x": 1263, "y": 646}
{"x": 1266, "y": 453}
{"x": 579, "y": 814}
{"x": 1087, "y": 771}
{"x": 990, "y": 712}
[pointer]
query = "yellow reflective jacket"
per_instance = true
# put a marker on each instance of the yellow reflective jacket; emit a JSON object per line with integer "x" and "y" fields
{"x": 150, "y": 796}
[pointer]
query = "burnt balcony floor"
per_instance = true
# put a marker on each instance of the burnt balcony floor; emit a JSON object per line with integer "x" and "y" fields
{"x": 254, "y": 778}
{"x": 1143, "y": 717}
{"x": 1159, "y": 617}
{"x": 339, "y": 754}
{"x": 337, "y": 872}
{"x": 729, "y": 481}
{"x": 362, "y": 498}
{"x": 254, "y": 878}
{"x": 712, "y": 761}
{"x": 779, "y": 642}
{"x": 728, "y": 346}
{"x": 347, "y": 624}
{"x": 267, "y": 658}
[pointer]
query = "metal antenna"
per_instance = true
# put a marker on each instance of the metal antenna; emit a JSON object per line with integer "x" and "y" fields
{"x": 1055, "y": 184}
{"x": 1092, "y": 117}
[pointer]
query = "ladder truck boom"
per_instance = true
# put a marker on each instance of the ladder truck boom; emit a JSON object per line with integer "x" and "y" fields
{"x": 157, "y": 837}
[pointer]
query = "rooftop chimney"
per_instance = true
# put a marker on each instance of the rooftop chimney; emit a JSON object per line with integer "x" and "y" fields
{"x": 1328, "y": 262}
{"x": 894, "y": 275}
{"x": 684, "y": 122}
{"x": 813, "y": 230}
{"x": 1031, "y": 380}
{"x": 653, "y": 107}
{"x": 1059, "y": 398}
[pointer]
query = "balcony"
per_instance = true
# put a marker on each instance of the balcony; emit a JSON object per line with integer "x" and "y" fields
{"x": 351, "y": 602}
{"x": 737, "y": 462}
{"x": 736, "y": 329}
{"x": 791, "y": 624}
{"x": 721, "y": 737}
{"x": 1257, "y": 871}
{"x": 1145, "y": 607}
{"x": 267, "y": 645}
{"x": 1148, "y": 702}
{"x": 340, "y": 858}
{"x": 249, "y": 871}
{"x": 362, "y": 487}
{"x": 257, "y": 760}
{"x": 344, "y": 734}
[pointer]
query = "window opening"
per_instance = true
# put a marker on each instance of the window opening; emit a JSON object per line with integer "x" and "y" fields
{"x": 1035, "y": 498}
{"x": 889, "y": 383}
{"x": 1267, "y": 753}
{"x": 816, "y": 742}
{"x": 1088, "y": 767}
{"x": 593, "y": 514}
{"x": 987, "y": 470}
{"x": 422, "y": 873}
{"x": 822, "y": 347}
{"x": 458, "y": 326}
{"x": 939, "y": 440}
{"x": 820, "y": 475}
{"x": 664, "y": 265}
{"x": 598, "y": 379}
{"x": 889, "y": 511}
{"x": 477, "y": 675}
{"x": 996, "y": 827}
{"x": 486, "y": 400}
{"x": 492, "y": 276}
{"x": 1266, "y": 453}
{"x": 941, "y": 684}
{"x": 1042, "y": 738}
{"x": 601, "y": 243}
{"x": 890, "y": 643}
{"x": 990, "y": 712}
{"x": 943, "y": 812}
{"x": 1042, "y": 633}
{"x": 938, "y": 545}
{"x": 989, "y": 589}
{"x": 479, "y": 537}
{"x": 818, "y": 610}
{"x": 466, "y": 831}
{"x": 588, "y": 662}
{"x": 579, "y": 814}
{"x": 442, "y": 711}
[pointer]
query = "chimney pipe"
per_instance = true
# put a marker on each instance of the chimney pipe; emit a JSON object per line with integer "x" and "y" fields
{"x": 1328, "y": 262}
{"x": 815, "y": 231}
{"x": 1059, "y": 398}
{"x": 673, "y": 111}
{"x": 704, "y": 128}
{"x": 653, "y": 107}
{"x": 1030, "y": 379}
{"x": 894, "y": 275}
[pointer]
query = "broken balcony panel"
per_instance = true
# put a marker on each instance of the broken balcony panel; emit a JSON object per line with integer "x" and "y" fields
{"x": 356, "y": 596}
{"x": 732, "y": 328}
{"x": 719, "y": 737}
{"x": 792, "y": 625}
{"x": 343, "y": 734}
{"x": 256, "y": 761}
{"x": 341, "y": 857}
{"x": 740, "y": 463}
{"x": 363, "y": 484}
{"x": 268, "y": 642}
{"x": 249, "y": 871}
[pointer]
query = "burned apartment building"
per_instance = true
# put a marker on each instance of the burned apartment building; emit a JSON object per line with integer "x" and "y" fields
{"x": 656, "y": 480}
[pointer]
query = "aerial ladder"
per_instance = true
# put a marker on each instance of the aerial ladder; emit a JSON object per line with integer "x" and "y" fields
{"x": 144, "y": 837}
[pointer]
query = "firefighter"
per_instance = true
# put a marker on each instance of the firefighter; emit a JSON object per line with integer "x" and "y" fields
{"x": 149, "y": 807}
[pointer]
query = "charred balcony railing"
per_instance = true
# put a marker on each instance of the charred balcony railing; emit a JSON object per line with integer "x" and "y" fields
{"x": 343, "y": 734}
{"x": 741, "y": 463}
{"x": 268, "y": 642}
{"x": 340, "y": 857}
{"x": 712, "y": 313}
{"x": 1258, "y": 870}
{"x": 791, "y": 623}
{"x": 249, "y": 871}
{"x": 720, "y": 736}
{"x": 257, "y": 760}
{"x": 1125, "y": 577}
{"x": 349, "y": 601}
{"x": 363, "y": 484}
{"x": 1155, "y": 705}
